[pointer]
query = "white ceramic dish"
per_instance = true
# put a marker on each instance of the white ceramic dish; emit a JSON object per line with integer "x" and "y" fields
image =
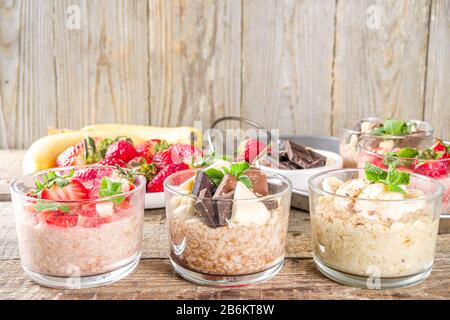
{"x": 154, "y": 200}
{"x": 299, "y": 178}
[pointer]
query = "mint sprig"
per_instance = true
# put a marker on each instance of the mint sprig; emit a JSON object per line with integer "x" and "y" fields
{"x": 109, "y": 188}
{"x": 392, "y": 178}
{"x": 215, "y": 175}
{"x": 237, "y": 170}
{"x": 394, "y": 127}
{"x": 49, "y": 180}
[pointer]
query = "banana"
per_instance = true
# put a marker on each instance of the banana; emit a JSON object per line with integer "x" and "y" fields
{"x": 351, "y": 188}
{"x": 172, "y": 134}
{"x": 331, "y": 184}
{"x": 43, "y": 152}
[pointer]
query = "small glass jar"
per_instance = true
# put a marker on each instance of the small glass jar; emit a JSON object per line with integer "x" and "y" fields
{"x": 437, "y": 169}
{"x": 352, "y": 133}
{"x": 78, "y": 244}
{"x": 374, "y": 243}
{"x": 227, "y": 254}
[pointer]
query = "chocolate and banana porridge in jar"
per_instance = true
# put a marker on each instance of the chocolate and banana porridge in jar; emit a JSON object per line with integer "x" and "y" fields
{"x": 227, "y": 223}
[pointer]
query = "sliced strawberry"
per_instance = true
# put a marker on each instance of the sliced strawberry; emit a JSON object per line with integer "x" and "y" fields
{"x": 441, "y": 148}
{"x": 72, "y": 156}
{"x": 149, "y": 148}
{"x": 60, "y": 219}
{"x": 433, "y": 169}
{"x": 121, "y": 150}
{"x": 156, "y": 184}
{"x": 111, "y": 162}
{"x": 163, "y": 159}
{"x": 378, "y": 161}
{"x": 74, "y": 191}
{"x": 249, "y": 149}
{"x": 185, "y": 153}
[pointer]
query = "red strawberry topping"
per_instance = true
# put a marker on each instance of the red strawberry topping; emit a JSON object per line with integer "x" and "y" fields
{"x": 433, "y": 169}
{"x": 249, "y": 149}
{"x": 60, "y": 219}
{"x": 121, "y": 150}
{"x": 156, "y": 184}
{"x": 75, "y": 190}
{"x": 149, "y": 148}
{"x": 163, "y": 159}
{"x": 72, "y": 156}
{"x": 111, "y": 162}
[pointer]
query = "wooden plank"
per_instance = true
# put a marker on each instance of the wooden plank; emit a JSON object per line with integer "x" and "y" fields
{"x": 155, "y": 279}
{"x": 102, "y": 66}
{"x": 194, "y": 60}
{"x": 10, "y": 169}
{"x": 380, "y": 59}
{"x": 27, "y": 72}
{"x": 155, "y": 237}
{"x": 287, "y": 63}
{"x": 437, "y": 103}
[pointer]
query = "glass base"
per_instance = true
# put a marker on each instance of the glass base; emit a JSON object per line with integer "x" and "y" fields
{"x": 226, "y": 281}
{"x": 371, "y": 282}
{"x": 84, "y": 282}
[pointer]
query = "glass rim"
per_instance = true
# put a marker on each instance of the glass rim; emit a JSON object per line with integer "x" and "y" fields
{"x": 429, "y": 131}
{"x": 372, "y": 153}
{"x": 13, "y": 186}
{"x": 436, "y": 194}
{"x": 170, "y": 188}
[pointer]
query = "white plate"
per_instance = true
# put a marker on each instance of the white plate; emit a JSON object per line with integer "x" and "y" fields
{"x": 299, "y": 178}
{"x": 154, "y": 200}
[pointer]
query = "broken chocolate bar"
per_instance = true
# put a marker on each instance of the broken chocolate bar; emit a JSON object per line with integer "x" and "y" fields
{"x": 205, "y": 208}
{"x": 303, "y": 157}
{"x": 224, "y": 207}
{"x": 202, "y": 181}
{"x": 259, "y": 181}
{"x": 227, "y": 185}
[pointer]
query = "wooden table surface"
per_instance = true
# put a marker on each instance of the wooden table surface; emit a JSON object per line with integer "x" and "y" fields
{"x": 154, "y": 277}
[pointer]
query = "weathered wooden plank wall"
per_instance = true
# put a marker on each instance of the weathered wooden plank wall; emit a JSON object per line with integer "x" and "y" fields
{"x": 303, "y": 66}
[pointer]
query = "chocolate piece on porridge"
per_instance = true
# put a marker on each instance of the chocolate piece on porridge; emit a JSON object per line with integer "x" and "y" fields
{"x": 259, "y": 181}
{"x": 205, "y": 208}
{"x": 227, "y": 185}
{"x": 202, "y": 181}
{"x": 224, "y": 208}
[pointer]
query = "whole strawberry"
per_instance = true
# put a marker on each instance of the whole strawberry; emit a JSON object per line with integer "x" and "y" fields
{"x": 185, "y": 153}
{"x": 121, "y": 150}
{"x": 162, "y": 159}
{"x": 249, "y": 149}
{"x": 111, "y": 162}
{"x": 156, "y": 184}
{"x": 149, "y": 148}
{"x": 433, "y": 169}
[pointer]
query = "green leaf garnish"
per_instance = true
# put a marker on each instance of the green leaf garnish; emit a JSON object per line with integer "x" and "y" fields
{"x": 395, "y": 127}
{"x": 236, "y": 169}
{"x": 49, "y": 180}
{"x": 373, "y": 173}
{"x": 407, "y": 153}
{"x": 215, "y": 175}
{"x": 246, "y": 181}
{"x": 392, "y": 178}
{"x": 109, "y": 188}
{"x": 51, "y": 207}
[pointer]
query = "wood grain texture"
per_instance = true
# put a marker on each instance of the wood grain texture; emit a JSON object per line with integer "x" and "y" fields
{"x": 10, "y": 169}
{"x": 194, "y": 60}
{"x": 379, "y": 64}
{"x": 287, "y": 64}
{"x": 27, "y": 72}
{"x": 437, "y": 102}
{"x": 155, "y": 279}
{"x": 102, "y": 67}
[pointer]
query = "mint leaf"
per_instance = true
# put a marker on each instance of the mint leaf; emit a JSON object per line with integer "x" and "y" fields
{"x": 246, "y": 181}
{"x": 109, "y": 188}
{"x": 215, "y": 175}
{"x": 394, "y": 188}
{"x": 378, "y": 131}
{"x": 51, "y": 207}
{"x": 395, "y": 177}
{"x": 373, "y": 173}
{"x": 395, "y": 127}
{"x": 236, "y": 169}
{"x": 407, "y": 153}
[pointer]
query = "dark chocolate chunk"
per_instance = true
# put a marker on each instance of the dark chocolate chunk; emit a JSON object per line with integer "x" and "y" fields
{"x": 259, "y": 181}
{"x": 227, "y": 184}
{"x": 224, "y": 207}
{"x": 202, "y": 181}
{"x": 303, "y": 157}
{"x": 205, "y": 208}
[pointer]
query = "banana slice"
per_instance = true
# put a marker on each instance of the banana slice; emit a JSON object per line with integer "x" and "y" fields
{"x": 350, "y": 188}
{"x": 331, "y": 184}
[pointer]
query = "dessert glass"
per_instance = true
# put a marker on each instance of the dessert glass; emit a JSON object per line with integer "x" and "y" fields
{"x": 370, "y": 243}
{"x": 350, "y": 136}
{"x": 437, "y": 169}
{"x": 83, "y": 251}
{"x": 227, "y": 255}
